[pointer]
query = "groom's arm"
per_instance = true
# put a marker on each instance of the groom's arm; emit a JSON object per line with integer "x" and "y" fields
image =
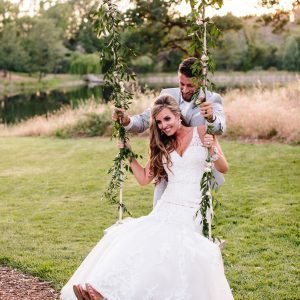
{"x": 217, "y": 121}
{"x": 136, "y": 124}
{"x": 139, "y": 123}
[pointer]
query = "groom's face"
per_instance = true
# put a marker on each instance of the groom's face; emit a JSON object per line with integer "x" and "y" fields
{"x": 187, "y": 87}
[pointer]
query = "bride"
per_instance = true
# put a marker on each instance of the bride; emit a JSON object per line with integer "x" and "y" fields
{"x": 161, "y": 256}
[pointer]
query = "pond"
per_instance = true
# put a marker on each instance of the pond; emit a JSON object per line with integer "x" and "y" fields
{"x": 23, "y": 106}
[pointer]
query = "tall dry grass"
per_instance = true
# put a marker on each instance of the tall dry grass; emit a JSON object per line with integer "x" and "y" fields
{"x": 256, "y": 113}
{"x": 48, "y": 125}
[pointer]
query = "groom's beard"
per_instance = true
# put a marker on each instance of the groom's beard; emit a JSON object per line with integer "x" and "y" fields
{"x": 187, "y": 96}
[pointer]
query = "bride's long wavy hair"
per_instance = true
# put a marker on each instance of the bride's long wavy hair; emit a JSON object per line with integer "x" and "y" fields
{"x": 162, "y": 145}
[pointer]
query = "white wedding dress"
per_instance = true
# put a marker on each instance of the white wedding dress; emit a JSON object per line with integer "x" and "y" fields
{"x": 161, "y": 256}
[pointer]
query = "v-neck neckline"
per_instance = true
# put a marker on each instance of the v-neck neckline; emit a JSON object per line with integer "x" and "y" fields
{"x": 188, "y": 146}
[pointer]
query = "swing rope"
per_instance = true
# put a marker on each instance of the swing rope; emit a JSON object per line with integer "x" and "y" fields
{"x": 204, "y": 60}
{"x": 201, "y": 73}
{"x": 121, "y": 196}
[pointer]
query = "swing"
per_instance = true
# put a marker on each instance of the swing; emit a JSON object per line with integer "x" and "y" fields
{"x": 209, "y": 213}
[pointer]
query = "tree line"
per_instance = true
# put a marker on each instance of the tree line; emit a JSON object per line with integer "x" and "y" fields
{"x": 59, "y": 38}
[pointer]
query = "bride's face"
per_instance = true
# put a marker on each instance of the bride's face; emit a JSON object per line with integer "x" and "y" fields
{"x": 167, "y": 122}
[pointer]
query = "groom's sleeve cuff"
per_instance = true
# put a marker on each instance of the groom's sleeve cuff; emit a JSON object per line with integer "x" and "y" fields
{"x": 128, "y": 127}
{"x": 214, "y": 123}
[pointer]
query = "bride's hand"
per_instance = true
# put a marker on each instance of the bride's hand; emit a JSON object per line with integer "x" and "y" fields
{"x": 208, "y": 141}
{"x": 122, "y": 145}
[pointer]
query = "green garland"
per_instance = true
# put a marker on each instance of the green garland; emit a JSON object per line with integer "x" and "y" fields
{"x": 109, "y": 24}
{"x": 204, "y": 35}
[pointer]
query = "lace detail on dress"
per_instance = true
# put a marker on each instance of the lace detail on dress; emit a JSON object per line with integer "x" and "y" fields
{"x": 188, "y": 168}
{"x": 196, "y": 141}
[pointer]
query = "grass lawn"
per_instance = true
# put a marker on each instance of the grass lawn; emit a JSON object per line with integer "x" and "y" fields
{"x": 51, "y": 214}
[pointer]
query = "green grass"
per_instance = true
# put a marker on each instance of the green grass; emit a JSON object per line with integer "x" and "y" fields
{"x": 51, "y": 214}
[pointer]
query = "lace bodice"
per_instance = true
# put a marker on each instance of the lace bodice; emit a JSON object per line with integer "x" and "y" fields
{"x": 185, "y": 173}
{"x": 189, "y": 167}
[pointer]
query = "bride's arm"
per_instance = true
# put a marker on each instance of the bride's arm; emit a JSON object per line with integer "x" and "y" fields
{"x": 142, "y": 174}
{"x": 216, "y": 153}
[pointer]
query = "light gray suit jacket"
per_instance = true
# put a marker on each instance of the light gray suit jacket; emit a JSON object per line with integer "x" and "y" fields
{"x": 193, "y": 117}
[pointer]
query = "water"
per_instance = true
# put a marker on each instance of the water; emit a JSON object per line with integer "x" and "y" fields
{"x": 23, "y": 106}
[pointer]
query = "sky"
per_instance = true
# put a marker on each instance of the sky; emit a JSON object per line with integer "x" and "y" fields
{"x": 236, "y": 7}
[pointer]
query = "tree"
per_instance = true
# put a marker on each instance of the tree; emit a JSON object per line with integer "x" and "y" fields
{"x": 8, "y": 12}
{"x": 231, "y": 50}
{"x": 84, "y": 63}
{"x": 44, "y": 46}
{"x": 291, "y": 54}
{"x": 81, "y": 10}
{"x": 60, "y": 14}
{"x": 157, "y": 31}
{"x": 259, "y": 53}
{"x": 281, "y": 17}
{"x": 13, "y": 57}
{"x": 8, "y": 15}
{"x": 86, "y": 39}
{"x": 228, "y": 22}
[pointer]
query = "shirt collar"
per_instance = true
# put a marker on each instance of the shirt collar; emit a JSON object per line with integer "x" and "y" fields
{"x": 181, "y": 101}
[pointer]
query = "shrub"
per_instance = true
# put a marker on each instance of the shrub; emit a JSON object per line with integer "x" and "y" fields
{"x": 92, "y": 124}
{"x": 142, "y": 64}
{"x": 291, "y": 54}
{"x": 84, "y": 63}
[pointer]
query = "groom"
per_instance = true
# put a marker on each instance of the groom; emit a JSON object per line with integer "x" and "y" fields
{"x": 210, "y": 113}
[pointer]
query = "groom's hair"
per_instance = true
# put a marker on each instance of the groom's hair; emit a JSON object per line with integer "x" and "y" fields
{"x": 185, "y": 67}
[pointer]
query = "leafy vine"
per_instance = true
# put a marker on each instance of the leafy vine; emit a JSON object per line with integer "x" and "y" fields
{"x": 109, "y": 24}
{"x": 204, "y": 35}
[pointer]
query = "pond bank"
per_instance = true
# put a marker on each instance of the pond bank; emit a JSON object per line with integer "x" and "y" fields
{"x": 227, "y": 80}
{"x": 23, "y": 83}
{"x": 20, "y": 83}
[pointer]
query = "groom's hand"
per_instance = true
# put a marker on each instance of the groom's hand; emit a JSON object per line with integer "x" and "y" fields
{"x": 121, "y": 115}
{"x": 207, "y": 111}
